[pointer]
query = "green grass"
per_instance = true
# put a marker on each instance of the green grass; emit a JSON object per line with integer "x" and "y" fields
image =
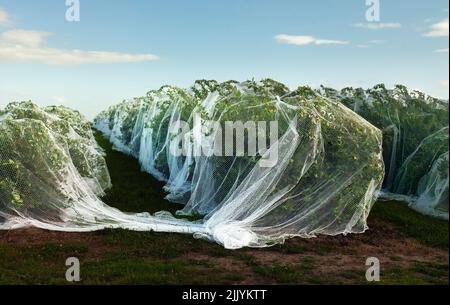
{"x": 427, "y": 230}
{"x": 114, "y": 269}
{"x": 283, "y": 273}
{"x": 419, "y": 273}
{"x": 134, "y": 190}
{"x": 37, "y": 264}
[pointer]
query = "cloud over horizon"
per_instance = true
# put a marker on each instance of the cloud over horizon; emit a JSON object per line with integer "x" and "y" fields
{"x": 439, "y": 29}
{"x": 30, "y": 46}
{"x": 306, "y": 40}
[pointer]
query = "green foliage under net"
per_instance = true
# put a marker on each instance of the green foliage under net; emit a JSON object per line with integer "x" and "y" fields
{"x": 415, "y": 141}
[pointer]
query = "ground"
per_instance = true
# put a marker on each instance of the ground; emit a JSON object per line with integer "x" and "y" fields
{"x": 412, "y": 248}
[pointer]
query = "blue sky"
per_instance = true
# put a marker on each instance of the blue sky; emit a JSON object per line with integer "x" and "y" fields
{"x": 144, "y": 44}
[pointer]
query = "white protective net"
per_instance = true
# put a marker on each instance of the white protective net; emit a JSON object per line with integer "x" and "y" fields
{"x": 53, "y": 172}
{"x": 415, "y": 142}
{"x": 328, "y": 165}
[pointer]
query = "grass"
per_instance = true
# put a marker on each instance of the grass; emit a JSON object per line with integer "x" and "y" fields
{"x": 36, "y": 264}
{"x": 429, "y": 231}
{"x": 125, "y": 257}
{"x": 419, "y": 273}
{"x": 116, "y": 270}
{"x": 134, "y": 190}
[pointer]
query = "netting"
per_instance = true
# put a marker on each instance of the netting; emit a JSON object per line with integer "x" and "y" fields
{"x": 316, "y": 171}
{"x": 328, "y": 166}
{"x": 52, "y": 173}
{"x": 416, "y": 142}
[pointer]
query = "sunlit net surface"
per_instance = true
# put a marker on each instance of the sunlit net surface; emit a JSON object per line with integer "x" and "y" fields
{"x": 325, "y": 179}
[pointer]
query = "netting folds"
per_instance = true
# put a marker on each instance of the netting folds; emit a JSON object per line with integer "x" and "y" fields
{"x": 416, "y": 143}
{"x": 327, "y": 169}
{"x": 319, "y": 174}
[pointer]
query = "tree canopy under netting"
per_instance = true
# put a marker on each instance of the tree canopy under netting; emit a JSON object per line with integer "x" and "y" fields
{"x": 328, "y": 171}
{"x": 415, "y": 142}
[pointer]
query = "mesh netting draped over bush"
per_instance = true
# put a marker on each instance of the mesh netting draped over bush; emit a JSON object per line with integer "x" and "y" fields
{"x": 416, "y": 143}
{"x": 328, "y": 170}
{"x": 329, "y": 160}
{"x": 52, "y": 173}
{"x": 49, "y": 161}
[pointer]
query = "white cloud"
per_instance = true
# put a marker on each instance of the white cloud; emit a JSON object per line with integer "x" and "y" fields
{"x": 306, "y": 40}
{"x": 4, "y": 17}
{"x": 378, "y": 25}
{"x": 30, "y": 46}
{"x": 444, "y": 84}
{"x": 439, "y": 29}
{"x": 23, "y": 38}
{"x": 442, "y": 51}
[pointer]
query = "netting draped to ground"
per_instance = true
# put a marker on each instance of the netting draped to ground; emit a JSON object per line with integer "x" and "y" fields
{"x": 415, "y": 142}
{"x": 329, "y": 165}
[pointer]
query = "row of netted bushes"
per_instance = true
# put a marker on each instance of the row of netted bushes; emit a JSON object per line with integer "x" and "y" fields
{"x": 46, "y": 156}
{"x": 328, "y": 170}
{"x": 415, "y": 142}
{"x": 327, "y": 174}
{"x": 53, "y": 172}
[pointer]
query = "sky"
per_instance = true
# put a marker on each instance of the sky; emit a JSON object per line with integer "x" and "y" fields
{"x": 119, "y": 49}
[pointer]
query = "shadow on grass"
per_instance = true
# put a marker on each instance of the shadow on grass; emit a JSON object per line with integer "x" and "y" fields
{"x": 133, "y": 190}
